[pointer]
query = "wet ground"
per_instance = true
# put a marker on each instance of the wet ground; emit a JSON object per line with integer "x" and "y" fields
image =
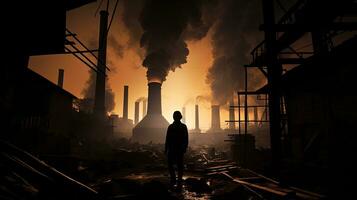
{"x": 131, "y": 171}
{"x": 155, "y": 185}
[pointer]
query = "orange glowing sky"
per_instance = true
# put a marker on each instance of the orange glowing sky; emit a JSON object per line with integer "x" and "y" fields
{"x": 181, "y": 86}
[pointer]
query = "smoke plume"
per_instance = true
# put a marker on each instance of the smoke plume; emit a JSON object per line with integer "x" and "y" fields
{"x": 235, "y": 34}
{"x": 115, "y": 46}
{"x": 167, "y": 25}
{"x": 130, "y": 16}
{"x": 141, "y": 99}
{"x": 89, "y": 92}
{"x": 203, "y": 99}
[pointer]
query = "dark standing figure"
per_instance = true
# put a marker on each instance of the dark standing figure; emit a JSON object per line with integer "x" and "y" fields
{"x": 175, "y": 148}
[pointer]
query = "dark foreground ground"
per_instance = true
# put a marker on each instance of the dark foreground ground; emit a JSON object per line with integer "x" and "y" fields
{"x": 131, "y": 171}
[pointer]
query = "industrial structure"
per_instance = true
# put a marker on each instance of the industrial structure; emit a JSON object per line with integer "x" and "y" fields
{"x": 153, "y": 126}
{"x": 303, "y": 106}
{"x": 299, "y": 129}
{"x": 123, "y": 126}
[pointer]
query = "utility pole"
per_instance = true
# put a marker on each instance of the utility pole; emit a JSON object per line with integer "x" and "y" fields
{"x": 274, "y": 76}
{"x": 99, "y": 101}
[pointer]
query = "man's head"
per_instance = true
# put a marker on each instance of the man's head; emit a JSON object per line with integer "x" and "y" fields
{"x": 177, "y": 116}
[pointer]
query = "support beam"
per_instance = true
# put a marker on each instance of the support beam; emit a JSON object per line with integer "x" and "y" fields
{"x": 274, "y": 76}
{"x": 340, "y": 26}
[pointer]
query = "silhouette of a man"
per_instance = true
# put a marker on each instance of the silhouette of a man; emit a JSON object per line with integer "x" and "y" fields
{"x": 175, "y": 148}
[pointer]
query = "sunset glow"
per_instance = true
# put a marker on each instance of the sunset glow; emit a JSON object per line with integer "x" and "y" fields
{"x": 180, "y": 88}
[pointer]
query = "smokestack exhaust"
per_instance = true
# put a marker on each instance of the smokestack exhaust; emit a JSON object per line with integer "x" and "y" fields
{"x": 125, "y": 102}
{"x": 197, "y": 121}
{"x": 60, "y": 77}
{"x": 136, "y": 114}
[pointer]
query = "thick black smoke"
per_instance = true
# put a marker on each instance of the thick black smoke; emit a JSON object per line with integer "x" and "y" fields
{"x": 130, "y": 16}
{"x": 140, "y": 99}
{"x": 235, "y": 34}
{"x": 167, "y": 25}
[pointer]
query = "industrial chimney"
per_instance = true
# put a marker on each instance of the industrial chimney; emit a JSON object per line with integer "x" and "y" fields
{"x": 231, "y": 115}
{"x": 153, "y": 127}
{"x": 125, "y": 102}
{"x": 197, "y": 120}
{"x": 184, "y": 115}
{"x": 144, "y": 107}
{"x": 256, "y": 118}
{"x": 154, "y": 98}
{"x": 136, "y": 114}
{"x": 215, "y": 123}
{"x": 60, "y": 77}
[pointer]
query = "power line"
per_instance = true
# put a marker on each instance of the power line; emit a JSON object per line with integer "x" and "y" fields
{"x": 81, "y": 43}
{"x": 111, "y": 19}
{"x": 81, "y": 59}
{"x": 81, "y": 53}
{"x": 100, "y": 4}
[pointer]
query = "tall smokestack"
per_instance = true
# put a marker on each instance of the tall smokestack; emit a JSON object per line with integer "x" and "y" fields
{"x": 125, "y": 102}
{"x": 60, "y": 77}
{"x": 231, "y": 115}
{"x": 144, "y": 107}
{"x": 154, "y": 99}
{"x": 215, "y": 123}
{"x": 183, "y": 115}
{"x": 99, "y": 99}
{"x": 136, "y": 114}
{"x": 197, "y": 119}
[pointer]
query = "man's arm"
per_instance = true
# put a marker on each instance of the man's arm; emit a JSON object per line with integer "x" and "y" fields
{"x": 167, "y": 139}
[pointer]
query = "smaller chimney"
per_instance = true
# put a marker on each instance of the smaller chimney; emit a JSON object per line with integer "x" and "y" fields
{"x": 246, "y": 104}
{"x": 136, "y": 114}
{"x": 144, "y": 107}
{"x": 231, "y": 115}
{"x": 60, "y": 77}
{"x": 125, "y": 102}
{"x": 256, "y": 118}
{"x": 215, "y": 123}
{"x": 183, "y": 115}
{"x": 197, "y": 121}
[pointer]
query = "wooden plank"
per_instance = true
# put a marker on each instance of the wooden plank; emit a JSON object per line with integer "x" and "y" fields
{"x": 269, "y": 179}
{"x": 218, "y": 167}
{"x": 256, "y": 186}
{"x": 215, "y": 173}
{"x": 299, "y": 192}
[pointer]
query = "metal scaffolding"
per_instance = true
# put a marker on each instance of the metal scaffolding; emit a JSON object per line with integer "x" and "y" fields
{"x": 276, "y": 50}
